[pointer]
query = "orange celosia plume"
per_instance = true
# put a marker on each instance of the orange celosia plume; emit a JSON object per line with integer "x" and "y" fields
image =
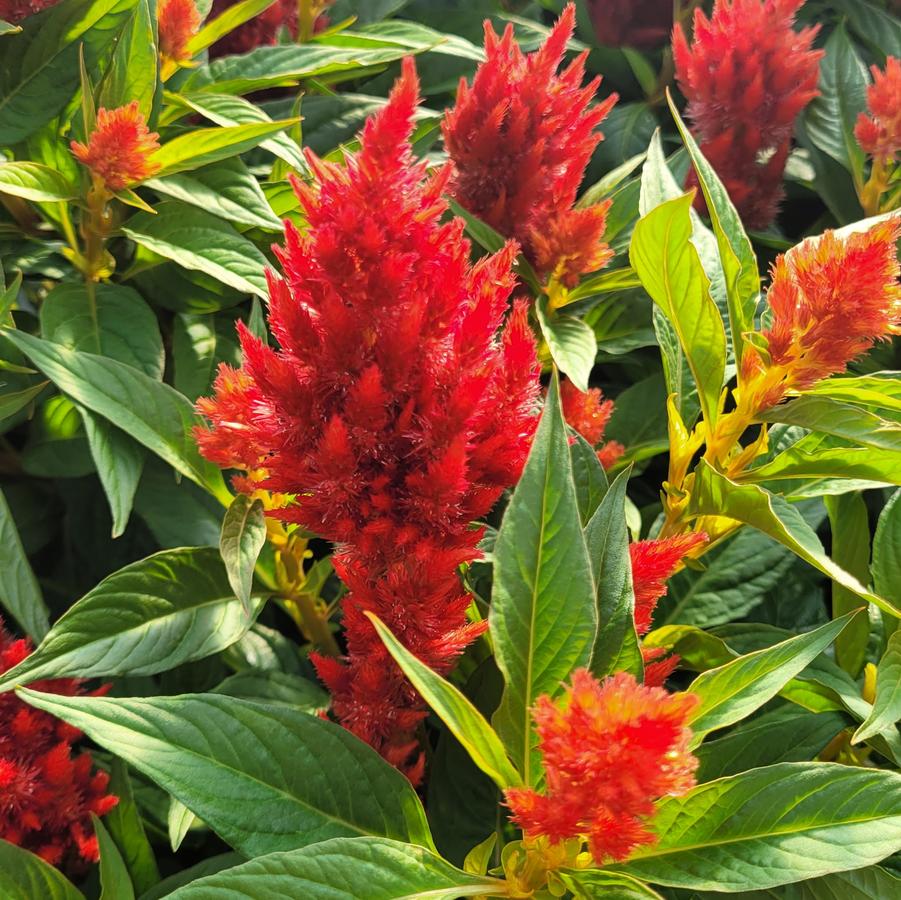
{"x": 588, "y": 413}
{"x": 611, "y": 749}
{"x": 178, "y": 23}
{"x": 520, "y": 138}
{"x": 879, "y": 133}
{"x": 119, "y": 148}
{"x": 831, "y": 298}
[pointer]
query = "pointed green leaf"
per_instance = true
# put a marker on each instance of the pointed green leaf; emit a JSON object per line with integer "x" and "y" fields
{"x": 571, "y": 341}
{"x": 887, "y": 706}
{"x": 127, "y": 829}
{"x": 32, "y": 181}
{"x": 115, "y": 882}
{"x": 24, "y": 875}
{"x": 593, "y": 884}
{"x": 227, "y": 21}
{"x": 242, "y": 538}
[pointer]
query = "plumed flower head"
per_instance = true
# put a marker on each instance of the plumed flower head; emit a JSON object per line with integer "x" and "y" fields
{"x": 47, "y": 795}
{"x": 879, "y": 133}
{"x": 260, "y": 31}
{"x": 119, "y": 149}
{"x": 520, "y": 138}
{"x": 395, "y": 412}
{"x": 831, "y": 299}
{"x": 14, "y": 11}
{"x": 631, "y": 23}
{"x": 178, "y": 23}
{"x": 611, "y": 749}
{"x": 588, "y": 413}
{"x": 747, "y": 75}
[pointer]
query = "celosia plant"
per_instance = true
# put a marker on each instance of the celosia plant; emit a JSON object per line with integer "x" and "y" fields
{"x": 747, "y": 75}
{"x": 14, "y": 11}
{"x": 392, "y": 413}
{"x": 631, "y": 23}
{"x": 878, "y": 131}
{"x": 520, "y": 138}
{"x": 588, "y": 413}
{"x": 47, "y": 795}
{"x": 178, "y": 23}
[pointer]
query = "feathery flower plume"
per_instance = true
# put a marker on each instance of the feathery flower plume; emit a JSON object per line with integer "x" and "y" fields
{"x": 46, "y": 795}
{"x": 119, "y": 149}
{"x": 394, "y": 413}
{"x": 653, "y": 564}
{"x": 14, "y": 11}
{"x": 879, "y": 133}
{"x": 178, "y": 23}
{"x": 747, "y": 75}
{"x": 631, "y": 23}
{"x": 588, "y": 413}
{"x": 520, "y": 138}
{"x": 831, "y": 299}
{"x": 611, "y": 749}
{"x": 260, "y": 31}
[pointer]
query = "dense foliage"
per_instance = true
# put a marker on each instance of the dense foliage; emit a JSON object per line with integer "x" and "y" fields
{"x": 450, "y": 449}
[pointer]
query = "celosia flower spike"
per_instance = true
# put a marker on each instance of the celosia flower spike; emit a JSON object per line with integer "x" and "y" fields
{"x": 178, "y": 23}
{"x": 14, "y": 11}
{"x": 394, "y": 412}
{"x": 747, "y": 75}
{"x": 831, "y": 298}
{"x": 611, "y": 749}
{"x": 118, "y": 151}
{"x": 588, "y": 414}
{"x": 631, "y": 23}
{"x": 47, "y": 795}
{"x": 520, "y": 138}
{"x": 879, "y": 133}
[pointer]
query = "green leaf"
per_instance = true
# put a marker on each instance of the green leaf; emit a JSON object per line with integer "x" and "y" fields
{"x": 8, "y": 28}
{"x": 887, "y": 550}
{"x": 869, "y": 883}
{"x": 571, "y": 341}
{"x": 264, "y": 778}
{"x": 607, "y": 536}
{"x": 117, "y": 322}
{"x": 715, "y": 495}
{"x": 887, "y": 705}
{"x": 226, "y": 189}
{"x": 226, "y": 110}
{"x": 589, "y": 476}
{"x": 180, "y": 822}
{"x": 19, "y": 591}
{"x": 242, "y": 538}
{"x": 209, "y": 145}
{"x": 133, "y": 72}
{"x": 849, "y": 520}
{"x": 772, "y": 826}
{"x": 828, "y": 416}
{"x": 115, "y": 882}
{"x": 830, "y": 117}
{"x": 593, "y": 884}
{"x": 15, "y": 401}
{"x": 733, "y": 691}
{"x": 810, "y": 459}
{"x": 202, "y": 242}
{"x": 736, "y": 254}
{"x": 466, "y": 723}
{"x": 152, "y": 413}
{"x": 32, "y": 181}
{"x": 119, "y": 460}
{"x": 199, "y": 344}
{"x": 482, "y": 233}
{"x": 339, "y": 869}
{"x": 228, "y": 20}
{"x": 155, "y": 614}
{"x": 127, "y": 830}
{"x": 275, "y": 688}
{"x": 542, "y": 616}
{"x": 882, "y": 389}
{"x": 603, "y": 283}
{"x": 670, "y": 269}
{"x": 24, "y": 875}
{"x": 785, "y": 734}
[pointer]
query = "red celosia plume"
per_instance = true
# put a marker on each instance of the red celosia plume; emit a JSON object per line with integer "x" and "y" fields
{"x": 631, "y": 23}
{"x": 879, "y": 133}
{"x": 119, "y": 148}
{"x": 394, "y": 412}
{"x": 520, "y": 138}
{"x": 831, "y": 299}
{"x": 47, "y": 795}
{"x": 653, "y": 564}
{"x": 263, "y": 30}
{"x": 611, "y": 749}
{"x": 178, "y": 23}
{"x": 15, "y": 10}
{"x": 588, "y": 413}
{"x": 747, "y": 75}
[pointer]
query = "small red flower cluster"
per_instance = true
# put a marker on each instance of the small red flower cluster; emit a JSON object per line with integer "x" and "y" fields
{"x": 393, "y": 413}
{"x": 631, "y": 23}
{"x": 520, "y": 138}
{"x": 879, "y": 133}
{"x": 611, "y": 749}
{"x": 653, "y": 563}
{"x": 14, "y": 11}
{"x": 119, "y": 148}
{"x": 260, "y": 31}
{"x": 747, "y": 75}
{"x": 46, "y": 795}
{"x": 178, "y": 23}
{"x": 831, "y": 298}
{"x": 588, "y": 413}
